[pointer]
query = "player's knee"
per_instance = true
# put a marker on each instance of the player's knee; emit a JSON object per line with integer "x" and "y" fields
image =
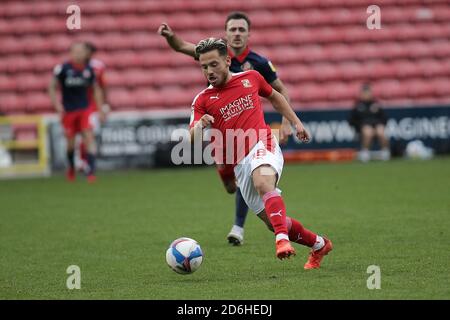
{"x": 380, "y": 132}
{"x": 230, "y": 186}
{"x": 262, "y": 186}
{"x": 367, "y": 132}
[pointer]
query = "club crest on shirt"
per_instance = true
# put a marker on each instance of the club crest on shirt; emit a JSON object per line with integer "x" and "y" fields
{"x": 247, "y": 66}
{"x": 246, "y": 83}
{"x": 86, "y": 73}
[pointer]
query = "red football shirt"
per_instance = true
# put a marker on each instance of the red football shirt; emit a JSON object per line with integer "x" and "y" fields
{"x": 238, "y": 115}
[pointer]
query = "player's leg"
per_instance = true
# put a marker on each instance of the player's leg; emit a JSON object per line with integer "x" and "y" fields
{"x": 268, "y": 169}
{"x": 69, "y": 125}
{"x": 70, "y": 174}
{"x": 94, "y": 123}
{"x": 91, "y": 147}
{"x": 226, "y": 174}
{"x": 367, "y": 135}
{"x": 236, "y": 235}
{"x": 264, "y": 180}
{"x": 385, "y": 153}
{"x": 83, "y": 156}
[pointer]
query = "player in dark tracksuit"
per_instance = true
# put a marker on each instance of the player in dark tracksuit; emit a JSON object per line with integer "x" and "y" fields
{"x": 237, "y": 27}
{"x": 369, "y": 120}
{"x": 75, "y": 77}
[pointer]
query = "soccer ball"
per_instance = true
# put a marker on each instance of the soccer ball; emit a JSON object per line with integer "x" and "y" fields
{"x": 184, "y": 256}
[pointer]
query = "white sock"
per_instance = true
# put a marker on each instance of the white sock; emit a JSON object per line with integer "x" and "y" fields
{"x": 281, "y": 236}
{"x": 319, "y": 243}
{"x": 237, "y": 229}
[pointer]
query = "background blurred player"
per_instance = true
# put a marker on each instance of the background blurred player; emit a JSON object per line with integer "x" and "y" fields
{"x": 258, "y": 169}
{"x": 237, "y": 29}
{"x": 97, "y": 115}
{"x": 369, "y": 120}
{"x": 75, "y": 77}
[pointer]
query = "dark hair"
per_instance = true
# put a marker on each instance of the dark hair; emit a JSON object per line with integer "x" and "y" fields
{"x": 90, "y": 46}
{"x": 210, "y": 44}
{"x": 236, "y": 15}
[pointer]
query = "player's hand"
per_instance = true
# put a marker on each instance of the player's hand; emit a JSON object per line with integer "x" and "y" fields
{"x": 285, "y": 131}
{"x": 302, "y": 134}
{"x": 205, "y": 121}
{"x": 165, "y": 31}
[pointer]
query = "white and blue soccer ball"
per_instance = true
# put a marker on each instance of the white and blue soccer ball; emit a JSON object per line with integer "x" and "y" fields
{"x": 184, "y": 255}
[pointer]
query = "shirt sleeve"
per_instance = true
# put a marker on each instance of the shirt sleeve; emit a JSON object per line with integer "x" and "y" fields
{"x": 267, "y": 70}
{"x": 264, "y": 89}
{"x": 58, "y": 72}
{"x": 197, "y": 111}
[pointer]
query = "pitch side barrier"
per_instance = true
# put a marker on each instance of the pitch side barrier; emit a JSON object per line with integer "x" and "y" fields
{"x": 145, "y": 139}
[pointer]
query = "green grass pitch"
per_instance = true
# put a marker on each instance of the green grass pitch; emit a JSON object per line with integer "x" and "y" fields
{"x": 395, "y": 215}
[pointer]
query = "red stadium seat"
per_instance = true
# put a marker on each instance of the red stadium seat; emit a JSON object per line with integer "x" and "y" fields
{"x": 338, "y": 91}
{"x": 406, "y": 69}
{"x": 7, "y": 84}
{"x": 147, "y": 98}
{"x": 10, "y": 46}
{"x": 431, "y": 68}
{"x": 319, "y": 47}
{"x": 121, "y": 99}
{"x": 351, "y": 71}
{"x": 324, "y": 72}
{"x": 12, "y": 103}
{"x": 340, "y": 52}
{"x": 441, "y": 86}
{"x": 32, "y": 82}
{"x": 19, "y": 63}
{"x": 38, "y": 102}
{"x": 43, "y": 63}
{"x": 440, "y": 48}
{"x": 392, "y": 50}
{"x": 379, "y": 70}
{"x": 390, "y": 89}
{"x": 296, "y": 73}
{"x": 308, "y": 93}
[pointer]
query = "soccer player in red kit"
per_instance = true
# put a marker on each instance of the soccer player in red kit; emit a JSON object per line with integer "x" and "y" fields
{"x": 231, "y": 104}
{"x": 237, "y": 33}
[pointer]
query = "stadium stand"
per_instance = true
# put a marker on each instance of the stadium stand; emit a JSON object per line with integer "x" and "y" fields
{"x": 322, "y": 49}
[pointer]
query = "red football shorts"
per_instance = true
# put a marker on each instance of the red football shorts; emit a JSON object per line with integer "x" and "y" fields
{"x": 75, "y": 122}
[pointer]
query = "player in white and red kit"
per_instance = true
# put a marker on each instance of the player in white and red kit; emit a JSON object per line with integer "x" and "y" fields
{"x": 231, "y": 104}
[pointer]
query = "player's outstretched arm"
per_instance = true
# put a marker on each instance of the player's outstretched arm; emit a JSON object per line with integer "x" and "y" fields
{"x": 282, "y": 106}
{"x": 175, "y": 42}
{"x": 285, "y": 130}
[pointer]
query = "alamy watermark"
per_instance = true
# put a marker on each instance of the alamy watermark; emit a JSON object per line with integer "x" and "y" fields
{"x": 374, "y": 20}
{"x": 74, "y": 20}
{"x": 74, "y": 280}
{"x": 374, "y": 280}
{"x": 213, "y": 146}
